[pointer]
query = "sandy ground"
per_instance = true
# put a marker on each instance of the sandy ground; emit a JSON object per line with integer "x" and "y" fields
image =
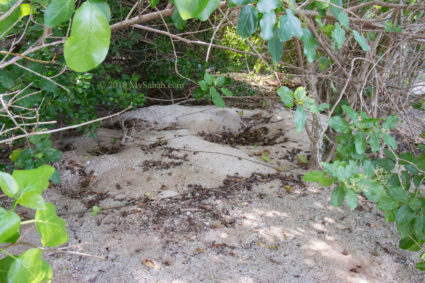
{"x": 201, "y": 194}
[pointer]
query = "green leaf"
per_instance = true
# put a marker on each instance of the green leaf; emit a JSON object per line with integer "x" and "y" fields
{"x": 300, "y": 118}
{"x": 420, "y": 265}
{"x": 203, "y": 85}
{"x": 25, "y": 10}
{"x": 88, "y": 44}
{"x": 9, "y": 224}
{"x": 384, "y": 163}
{"x": 361, "y": 41}
{"x": 226, "y": 92}
{"x": 319, "y": 177}
{"x": 208, "y": 10}
{"x": 387, "y": 203}
{"x": 404, "y": 229}
{"x": 103, "y": 6}
{"x": 153, "y": 3}
{"x": 32, "y": 200}
{"x": 8, "y": 185}
{"x": 267, "y": 6}
{"x": 234, "y": 3}
{"x": 420, "y": 226}
{"x": 190, "y": 9}
{"x": 300, "y": 94}
{"x": 216, "y": 98}
{"x": 219, "y": 81}
{"x": 29, "y": 267}
{"x": 323, "y": 107}
{"x": 409, "y": 244}
{"x": 344, "y": 20}
{"x": 375, "y": 142}
{"x": 338, "y": 35}
{"x": 350, "y": 112}
{"x": 267, "y": 25}
{"x": 178, "y": 22}
{"x": 415, "y": 204}
{"x": 265, "y": 157}
{"x": 58, "y": 12}
{"x": 351, "y": 199}
{"x": 275, "y": 46}
{"x": 390, "y": 122}
{"x": 335, "y": 9}
{"x": 338, "y": 196}
{"x": 399, "y": 194}
{"x": 389, "y": 140}
{"x": 290, "y": 26}
{"x": 286, "y": 96}
{"x": 404, "y": 214}
{"x": 51, "y": 228}
{"x": 4, "y": 267}
{"x": 95, "y": 210}
{"x": 368, "y": 168}
{"x": 373, "y": 190}
{"x": 56, "y": 177}
{"x": 360, "y": 143}
{"x": 310, "y": 45}
{"x": 209, "y": 79}
{"x": 248, "y": 21}
{"x": 9, "y": 21}
{"x": 34, "y": 180}
{"x": 339, "y": 124}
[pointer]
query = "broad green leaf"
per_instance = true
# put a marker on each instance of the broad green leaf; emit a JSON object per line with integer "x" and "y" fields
{"x": 414, "y": 203}
{"x": 9, "y": 224}
{"x": 350, "y": 112}
{"x": 103, "y": 6}
{"x": 219, "y": 81}
{"x": 386, "y": 203}
{"x": 420, "y": 226}
{"x": 360, "y": 143}
{"x": 34, "y": 180}
{"x": 25, "y": 10}
{"x": 375, "y": 142}
{"x": 368, "y": 168}
{"x": 52, "y": 229}
{"x": 190, "y": 9}
{"x": 266, "y": 6}
{"x": 234, "y": 3}
{"x": 290, "y": 26}
{"x": 8, "y": 185}
{"x": 286, "y": 96}
{"x": 153, "y": 3}
{"x": 409, "y": 244}
{"x": 11, "y": 20}
{"x": 226, "y": 92}
{"x": 15, "y": 154}
{"x": 203, "y": 85}
{"x": 267, "y": 25}
{"x": 4, "y": 267}
{"x": 338, "y": 35}
{"x": 300, "y": 118}
{"x": 420, "y": 265}
{"x": 208, "y": 10}
{"x": 216, "y": 98}
{"x": 390, "y": 122}
{"x": 335, "y": 8}
{"x": 209, "y": 79}
{"x": 339, "y": 124}
{"x": 361, "y": 41}
{"x": 29, "y": 267}
{"x": 310, "y": 45}
{"x": 404, "y": 229}
{"x": 344, "y": 20}
{"x": 399, "y": 194}
{"x": 338, "y": 196}
{"x": 390, "y": 28}
{"x": 300, "y": 94}
{"x": 384, "y": 163}
{"x": 275, "y": 46}
{"x": 389, "y": 140}
{"x": 323, "y": 107}
{"x": 373, "y": 190}
{"x": 351, "y": 199}
{"x": 58, "y": 12}
{"x": 32, "y": 200}
{"x": 88, "y": 44}
{"x": 248, "y": 21}
{"x": 319, "y": 177}
{"x": 56, "y": 177}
